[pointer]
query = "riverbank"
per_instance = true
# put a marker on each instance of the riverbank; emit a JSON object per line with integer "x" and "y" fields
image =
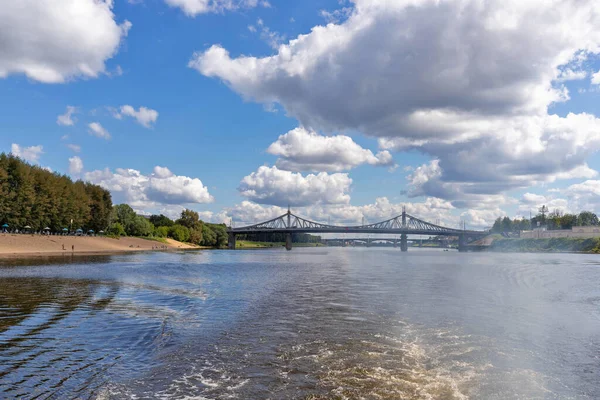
{"x": 548, "y": 245}
{"x": 17, "y": 246}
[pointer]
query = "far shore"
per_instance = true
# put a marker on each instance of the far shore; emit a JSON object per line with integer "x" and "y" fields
{"x": 24, "y": 246}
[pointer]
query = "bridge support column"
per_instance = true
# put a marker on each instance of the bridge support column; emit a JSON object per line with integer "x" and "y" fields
{"x": 288, "y": 241}
{"x": 368, "y": 242}
{"x": 462, "y": 243}
{"x": 404, "y": 242}
{"x": 395, "y": 243}
{"x": 231, "y": 241}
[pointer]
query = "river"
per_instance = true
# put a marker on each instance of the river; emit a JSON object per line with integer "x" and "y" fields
{"x": 313, "y": 323}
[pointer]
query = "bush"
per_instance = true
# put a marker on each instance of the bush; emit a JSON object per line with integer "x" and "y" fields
{"x": 161, "y": 231}
{"x": 140, "y": 226}
{"x": 117, "y": 230}
{"x": 195, "y": 236}
{"x": 179, "y": 233}
{"x": 209, "y": 237}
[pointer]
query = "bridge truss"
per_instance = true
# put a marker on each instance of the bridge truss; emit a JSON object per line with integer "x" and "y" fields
{"x": 401, "y": 224}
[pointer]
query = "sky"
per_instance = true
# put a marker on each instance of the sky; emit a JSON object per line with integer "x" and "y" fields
{"x": 345, "y": 110}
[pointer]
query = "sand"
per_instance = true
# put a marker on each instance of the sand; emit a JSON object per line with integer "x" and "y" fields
{"x": 31, "y": 245}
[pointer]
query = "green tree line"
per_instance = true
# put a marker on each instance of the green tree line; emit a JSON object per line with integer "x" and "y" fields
{"x": 554, "y": 220}
{"x": 33, "y": 196}
{"x": 188, "y": 228}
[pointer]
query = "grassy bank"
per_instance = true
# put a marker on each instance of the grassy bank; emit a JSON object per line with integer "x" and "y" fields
{"x": 245, "y": 244}
{"x": 580, "y": 245}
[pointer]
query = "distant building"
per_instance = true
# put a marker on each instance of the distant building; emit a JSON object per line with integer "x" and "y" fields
{"x": 575, "y": 232}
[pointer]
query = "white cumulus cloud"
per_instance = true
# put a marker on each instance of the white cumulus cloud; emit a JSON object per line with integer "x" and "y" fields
{"x": 144, "y": 116}
{"x": 304, "y": 150}
{"x": 53, "y": 41}
{"x": 270, "y": 185}
{"x": 67, "y": 119}
{"x": 584, "y": 196}
{"x": 75, "y": 165}
{"x": 195, "y": 7}
{"x": 98, "y": 130}
{"x": 469, "y": 83}
{"x": 31, "y": 154}
{"x": 145, "y": 192}
{"x": 75, "y": 147}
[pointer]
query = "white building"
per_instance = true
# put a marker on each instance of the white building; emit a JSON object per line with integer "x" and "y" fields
{"x": 575, "y": 232}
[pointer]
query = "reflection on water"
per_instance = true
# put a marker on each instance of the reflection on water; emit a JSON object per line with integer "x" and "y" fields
{"x": 311, "y": 324}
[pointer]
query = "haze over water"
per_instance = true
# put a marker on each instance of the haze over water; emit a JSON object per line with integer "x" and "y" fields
{"x": 320, "y": 323}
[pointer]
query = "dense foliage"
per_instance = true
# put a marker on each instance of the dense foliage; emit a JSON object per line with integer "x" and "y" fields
{"x": 32, "y": 196}
{"x": 552, "y": 221}
{"x": 189, "y": 228}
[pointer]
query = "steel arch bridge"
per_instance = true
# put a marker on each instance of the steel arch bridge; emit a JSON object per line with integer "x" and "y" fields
{"x": 403, "y": 225}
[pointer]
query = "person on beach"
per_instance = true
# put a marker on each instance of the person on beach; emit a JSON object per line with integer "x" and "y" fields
{"x": 73, "y": 248}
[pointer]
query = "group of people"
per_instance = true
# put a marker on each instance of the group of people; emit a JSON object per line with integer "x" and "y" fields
{"x": 72, "y": 247}
{"x": 161, "y": 247}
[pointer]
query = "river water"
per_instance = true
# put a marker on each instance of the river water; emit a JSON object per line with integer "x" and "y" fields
{"x": 313, "y": 323}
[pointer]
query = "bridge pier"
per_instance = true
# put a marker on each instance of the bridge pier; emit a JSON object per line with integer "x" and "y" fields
{"x": 395, "y": 243}
{"x": 369, "y": 242}
{"x": 288, "y": 241}
{"x": 404, "y": 242}
{"x": 462, "y": 243}
{"x": 231, "y": 241}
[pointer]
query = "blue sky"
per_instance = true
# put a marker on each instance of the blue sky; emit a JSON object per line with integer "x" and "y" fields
{"x": 215, "y": 118}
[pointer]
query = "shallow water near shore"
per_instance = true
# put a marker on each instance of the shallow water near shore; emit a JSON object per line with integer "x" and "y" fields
{"x": 313, "y": 323}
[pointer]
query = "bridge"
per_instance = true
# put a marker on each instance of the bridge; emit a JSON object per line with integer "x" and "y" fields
{"x": 402, "y": 225}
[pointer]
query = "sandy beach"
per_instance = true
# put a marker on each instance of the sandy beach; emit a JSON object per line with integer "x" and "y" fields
{"x": 12, "y": 245}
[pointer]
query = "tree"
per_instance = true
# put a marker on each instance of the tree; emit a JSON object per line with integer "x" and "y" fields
{"x": 125, "y": 215}
{"x": 100, "y": 207}
{"x": 161, "y": 220}
{"x": 179, "y": 233}
{"x": 190, "y": 219}
{"x": 506, "y": 225}
{"x": 587, "y": 218}
{"x": 497, "y": 227}
{"x": 543, "y": 210}
{"x": 220, "y": 231}
{"x": 116, "y": 229}
{"x": 568, "y": 221}
{"x": 141, "y": 227}
{"x": 161, "y": 231}
{"x": 31, "y": 195}
{"x": 524, "y": 224}
{"x": 196, "y": 236}
{"x": 209, "y": 237}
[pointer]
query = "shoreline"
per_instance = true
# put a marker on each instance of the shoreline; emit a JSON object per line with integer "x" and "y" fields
{"x": 15, "y": 246}
{"x": 55, "y": 254}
